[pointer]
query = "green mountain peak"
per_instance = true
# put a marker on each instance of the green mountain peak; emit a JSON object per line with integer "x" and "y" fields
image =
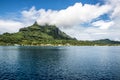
{"x": 35, "y": 33}
{"x": 44, "y": 31}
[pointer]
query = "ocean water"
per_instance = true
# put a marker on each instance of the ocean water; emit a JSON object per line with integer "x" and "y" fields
{"x": 59, "y": 63}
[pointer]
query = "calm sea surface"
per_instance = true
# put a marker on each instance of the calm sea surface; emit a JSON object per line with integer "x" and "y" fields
{"x": 59, "y": 63}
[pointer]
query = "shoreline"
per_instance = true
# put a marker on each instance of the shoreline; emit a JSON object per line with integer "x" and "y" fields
{"x": 58, "y": 45}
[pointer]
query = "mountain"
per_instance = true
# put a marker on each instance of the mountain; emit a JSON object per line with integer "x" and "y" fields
{"x": 43, "y": 32}
{"x": 106, "y": 41}
{"x": 47, "y": 35}
{"x": 35, "y": 33}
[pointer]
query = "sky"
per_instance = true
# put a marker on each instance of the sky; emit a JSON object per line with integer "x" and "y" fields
{"x": 81, "y": 19}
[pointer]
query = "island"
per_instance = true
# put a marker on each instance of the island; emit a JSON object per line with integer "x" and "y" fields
{"x": 48, "y": 35}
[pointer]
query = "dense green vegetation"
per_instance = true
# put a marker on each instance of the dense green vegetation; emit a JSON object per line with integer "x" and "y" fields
{"x": 46, "y": 35}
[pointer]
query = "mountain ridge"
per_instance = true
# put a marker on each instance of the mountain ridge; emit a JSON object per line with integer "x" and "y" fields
{"x": 35, "y": 34}
{"x": 48, "y": 30}
{"x": 46, "y": 34}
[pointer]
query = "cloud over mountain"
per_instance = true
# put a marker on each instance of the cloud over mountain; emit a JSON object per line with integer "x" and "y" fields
{"x": 85, "y": 22}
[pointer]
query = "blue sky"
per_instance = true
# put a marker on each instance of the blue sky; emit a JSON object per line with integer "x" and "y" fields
{"x": 11, "y": 6}
{"x": 82, "y": 19}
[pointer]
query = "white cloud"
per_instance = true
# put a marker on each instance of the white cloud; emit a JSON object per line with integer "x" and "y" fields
{"x": 103, "y": 24}
{"x": 10, "y": 26}
{"x": 72, "y": 15}
{"x": 30, "y": 16}
{"x": 115, "y": 15}
{"x": 115, "y": 8}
